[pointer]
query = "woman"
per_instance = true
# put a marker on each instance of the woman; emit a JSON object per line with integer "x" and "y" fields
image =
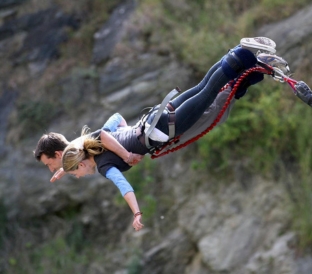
{"x": 83, "y": 157}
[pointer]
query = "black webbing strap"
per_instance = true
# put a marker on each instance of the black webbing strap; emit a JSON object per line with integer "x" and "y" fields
{"x": 158, "y": 114}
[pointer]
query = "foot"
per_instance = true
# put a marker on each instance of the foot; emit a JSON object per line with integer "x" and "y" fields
{"x": 275, "y": 62}
{"x": 259, "y": 45}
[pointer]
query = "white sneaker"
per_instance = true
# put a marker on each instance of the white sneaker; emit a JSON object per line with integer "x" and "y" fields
{"x": 259, "y": 45}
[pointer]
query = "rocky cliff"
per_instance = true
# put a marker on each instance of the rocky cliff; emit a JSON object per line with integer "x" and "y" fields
{"x": 194, "y": 223}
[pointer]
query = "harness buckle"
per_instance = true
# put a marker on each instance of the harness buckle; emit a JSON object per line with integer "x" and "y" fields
{"x": 158, "y": 114}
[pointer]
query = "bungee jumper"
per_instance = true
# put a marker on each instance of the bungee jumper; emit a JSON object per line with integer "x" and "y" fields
{"x": 177, "y": 121}
{"x": 269, "y": 64}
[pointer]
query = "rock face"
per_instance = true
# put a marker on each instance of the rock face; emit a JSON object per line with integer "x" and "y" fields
{"x": 107, "y": 37}
{"x": 293, "y": 36}
{"x": 10, "y": 3}
{"x": 201, "y": 225}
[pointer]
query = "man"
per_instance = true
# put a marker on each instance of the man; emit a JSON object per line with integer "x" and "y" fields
{"x": 50, "y": 147}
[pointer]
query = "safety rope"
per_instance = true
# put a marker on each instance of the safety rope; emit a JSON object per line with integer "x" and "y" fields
{"x": 158, "y": 153}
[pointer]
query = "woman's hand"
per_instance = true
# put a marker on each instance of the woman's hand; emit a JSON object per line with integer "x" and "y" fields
{"x": 57, "y": 175}
{"x": 137, "y": 214}
{"x": 113, "y": 145}
{"x": 137, "y": 225}
{"x": 134, "y": 159}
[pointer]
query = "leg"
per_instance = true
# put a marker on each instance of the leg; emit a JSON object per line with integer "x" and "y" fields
{"x": 194, "y": 90}
{"x": 176, "y": 102}
{"x": 232, "y": 65}
{"x": 191, "y": 104}
{"x": 191, "y": 109}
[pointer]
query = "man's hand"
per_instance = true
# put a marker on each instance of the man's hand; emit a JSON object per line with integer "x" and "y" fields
{"x": 58, "y": 175}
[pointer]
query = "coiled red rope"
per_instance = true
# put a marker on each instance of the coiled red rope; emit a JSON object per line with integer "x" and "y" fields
{"x": 158, "y": 153}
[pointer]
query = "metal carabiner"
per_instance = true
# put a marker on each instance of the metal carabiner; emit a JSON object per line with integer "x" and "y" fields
{"x": 278, "y": 75}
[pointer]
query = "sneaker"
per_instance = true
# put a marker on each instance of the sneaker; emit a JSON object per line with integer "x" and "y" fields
{"x": 258, "y": 45}
{"x": 304, "y": 92}
{"x": 275, "y": 62}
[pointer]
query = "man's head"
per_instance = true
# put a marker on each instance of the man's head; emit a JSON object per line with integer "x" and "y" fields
{"x": 49, "y": 150}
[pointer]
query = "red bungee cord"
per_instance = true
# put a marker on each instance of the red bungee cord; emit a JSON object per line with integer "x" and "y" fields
{"x": 158, "y": 153}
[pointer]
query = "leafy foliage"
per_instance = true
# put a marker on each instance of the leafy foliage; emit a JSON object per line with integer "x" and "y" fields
{"x": 143, "y": 182}
{"x": 269, "y": 125}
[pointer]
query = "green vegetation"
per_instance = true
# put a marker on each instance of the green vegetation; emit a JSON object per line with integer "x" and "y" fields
{"x": 264, "y": 130}
{"x": 55, "y": 256}
{"x": 134, "y": 266}
{"x": 268, "y": 126}
{"x": 33, "y": 116}
{"x": 199, "y": 32}
{"x": 264, "y": 125}
{"x": 67, "y": 252}
{"x": 142, "y": 178}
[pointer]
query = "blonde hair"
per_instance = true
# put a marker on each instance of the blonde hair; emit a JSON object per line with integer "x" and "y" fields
{"x": 74, "y": 153}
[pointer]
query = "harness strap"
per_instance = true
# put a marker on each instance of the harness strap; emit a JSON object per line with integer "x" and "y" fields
{"x": 172, "y": 120}
{"x": 158, "y": 114}
{"x": 160, "y": 152}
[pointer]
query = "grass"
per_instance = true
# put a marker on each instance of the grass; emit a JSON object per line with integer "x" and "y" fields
{"x": 54, "y": 256}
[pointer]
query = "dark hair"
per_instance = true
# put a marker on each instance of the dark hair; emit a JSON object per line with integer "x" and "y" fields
{"x": 48, "y": 144}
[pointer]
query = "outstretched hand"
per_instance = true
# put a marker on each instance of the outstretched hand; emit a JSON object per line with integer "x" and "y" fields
{"x": 134, "y": 159}
{"x": 137, "y": 225}
{"x": 57, "y": 175}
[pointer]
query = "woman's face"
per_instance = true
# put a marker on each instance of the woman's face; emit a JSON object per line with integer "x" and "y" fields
{"x": 86, "y": 167}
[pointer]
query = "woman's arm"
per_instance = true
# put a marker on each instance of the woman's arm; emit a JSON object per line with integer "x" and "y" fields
{"x": 127, "y": 192}
{"x": 137, "y": 214}
{"x": 113, "y": 145}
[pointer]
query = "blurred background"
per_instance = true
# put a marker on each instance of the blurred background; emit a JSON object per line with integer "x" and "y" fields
{"x": 237, "y": 201}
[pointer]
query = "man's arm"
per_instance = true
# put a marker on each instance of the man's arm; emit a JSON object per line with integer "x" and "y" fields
{"x": 57, "y": 175}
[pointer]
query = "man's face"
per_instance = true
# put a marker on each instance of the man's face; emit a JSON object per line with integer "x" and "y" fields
{"x": 53, "y": 164}
{"x": 86, "y": 167}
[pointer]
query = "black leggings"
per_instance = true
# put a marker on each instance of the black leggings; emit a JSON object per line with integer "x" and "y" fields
{"x": 191, "y": 104}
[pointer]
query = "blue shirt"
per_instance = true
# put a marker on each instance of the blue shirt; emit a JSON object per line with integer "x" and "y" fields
{"x": 112, "y": 123}
{"x": 113, "y": 173}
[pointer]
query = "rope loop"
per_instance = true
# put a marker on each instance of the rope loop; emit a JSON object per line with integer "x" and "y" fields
{"x": 158, "y": 153}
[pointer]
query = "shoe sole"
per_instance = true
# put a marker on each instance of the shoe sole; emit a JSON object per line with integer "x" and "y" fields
{"x": 246, "y": 43}
{"x": 271, "y": 59}
{"x": 275, "y": 62}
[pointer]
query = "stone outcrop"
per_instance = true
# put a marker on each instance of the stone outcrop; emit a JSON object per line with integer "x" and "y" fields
{"x": 202, "y": 225}
{"x": 293, "y": 36}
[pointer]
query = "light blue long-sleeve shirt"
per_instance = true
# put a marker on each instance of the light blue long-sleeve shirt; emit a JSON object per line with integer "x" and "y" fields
{"x": 113, "y": 122}
{"x": 113, "y": 173}
{"x": 119, "y": 180}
